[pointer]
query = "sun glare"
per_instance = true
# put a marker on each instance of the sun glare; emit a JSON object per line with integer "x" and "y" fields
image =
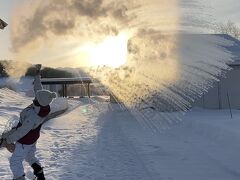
{"x": 111, "y": 52}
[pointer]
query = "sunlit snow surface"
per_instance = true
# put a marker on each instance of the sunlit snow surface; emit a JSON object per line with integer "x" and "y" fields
{"x": 95, "y": 139}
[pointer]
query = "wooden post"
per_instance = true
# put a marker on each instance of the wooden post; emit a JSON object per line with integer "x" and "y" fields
{"x": 229, "y": 105}
{"x": 88, "y": 88}
{"x": 203, "y": 100}
{"x": 219, "y": 96}
{"x": 63, "y": 90}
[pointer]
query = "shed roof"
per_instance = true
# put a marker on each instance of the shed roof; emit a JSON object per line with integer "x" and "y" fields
{"x": 235, "y": 49}
{"x": 77, "y": 80}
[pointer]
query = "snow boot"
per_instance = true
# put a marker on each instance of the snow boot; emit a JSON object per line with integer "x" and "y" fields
{"x": 38, "y": 171}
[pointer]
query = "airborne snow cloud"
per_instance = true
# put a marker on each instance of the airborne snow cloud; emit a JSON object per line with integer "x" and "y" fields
{"x": 37, "y": 20}
{"x": 61, "y": 17}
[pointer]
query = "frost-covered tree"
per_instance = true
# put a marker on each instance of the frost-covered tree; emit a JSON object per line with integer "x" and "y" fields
{"x": 229, "y": 28}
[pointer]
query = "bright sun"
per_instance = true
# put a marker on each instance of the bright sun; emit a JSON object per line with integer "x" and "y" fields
{"x": 110, "y": 52}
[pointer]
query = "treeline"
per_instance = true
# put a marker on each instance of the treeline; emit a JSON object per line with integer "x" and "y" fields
{"x": 46, "y": 72}
{"x": 3, "y": 72}
{"x": 229, "y": 28}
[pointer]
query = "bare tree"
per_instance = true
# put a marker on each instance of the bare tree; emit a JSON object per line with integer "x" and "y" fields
{"x": 229, "y": 28}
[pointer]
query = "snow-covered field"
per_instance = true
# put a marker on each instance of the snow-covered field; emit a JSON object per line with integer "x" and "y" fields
{"x": 98, "y": 140}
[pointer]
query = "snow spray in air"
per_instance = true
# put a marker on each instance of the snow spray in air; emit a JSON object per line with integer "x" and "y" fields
{"x": 169, "y": 64}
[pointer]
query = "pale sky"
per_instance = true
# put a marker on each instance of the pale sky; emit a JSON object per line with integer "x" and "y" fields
{"x": 221, "y": 10}
{"x": 5, "y": 8}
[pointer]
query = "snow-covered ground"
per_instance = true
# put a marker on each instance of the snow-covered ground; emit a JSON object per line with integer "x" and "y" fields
{"x": 98, "y": 140}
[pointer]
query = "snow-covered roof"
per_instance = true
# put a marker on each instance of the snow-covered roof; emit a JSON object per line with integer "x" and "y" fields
{"x": 235, "y": 49}
{"x": 66, "y": 80}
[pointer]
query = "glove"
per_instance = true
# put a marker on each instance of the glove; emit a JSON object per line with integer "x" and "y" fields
{"x": 38, "y": 69}
{"x": 2, "y": 142}
{"x": 10, "y": 147}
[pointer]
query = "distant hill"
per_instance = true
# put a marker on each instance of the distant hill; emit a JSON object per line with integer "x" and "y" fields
{"x": 3, "y": 72}
{"x": 16, "y": 68}
{"x": 77, "y": 72}
{"x": 48, "y": 72}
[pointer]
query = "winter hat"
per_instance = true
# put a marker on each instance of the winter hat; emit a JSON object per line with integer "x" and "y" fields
{"x": 45, "y": 97}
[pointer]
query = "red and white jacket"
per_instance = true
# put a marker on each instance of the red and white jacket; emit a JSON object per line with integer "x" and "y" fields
{"x": 31, "y": 120}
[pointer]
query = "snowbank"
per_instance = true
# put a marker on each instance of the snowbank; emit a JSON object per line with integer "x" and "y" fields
{"x": 21, "y": 85}
{"x": 59, "y": 104}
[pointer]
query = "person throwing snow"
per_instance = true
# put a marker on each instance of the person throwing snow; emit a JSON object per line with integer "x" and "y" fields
{"x": 21, "y": 140}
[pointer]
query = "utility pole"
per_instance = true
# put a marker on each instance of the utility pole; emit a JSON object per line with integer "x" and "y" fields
{"x": 2, "y": 24}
